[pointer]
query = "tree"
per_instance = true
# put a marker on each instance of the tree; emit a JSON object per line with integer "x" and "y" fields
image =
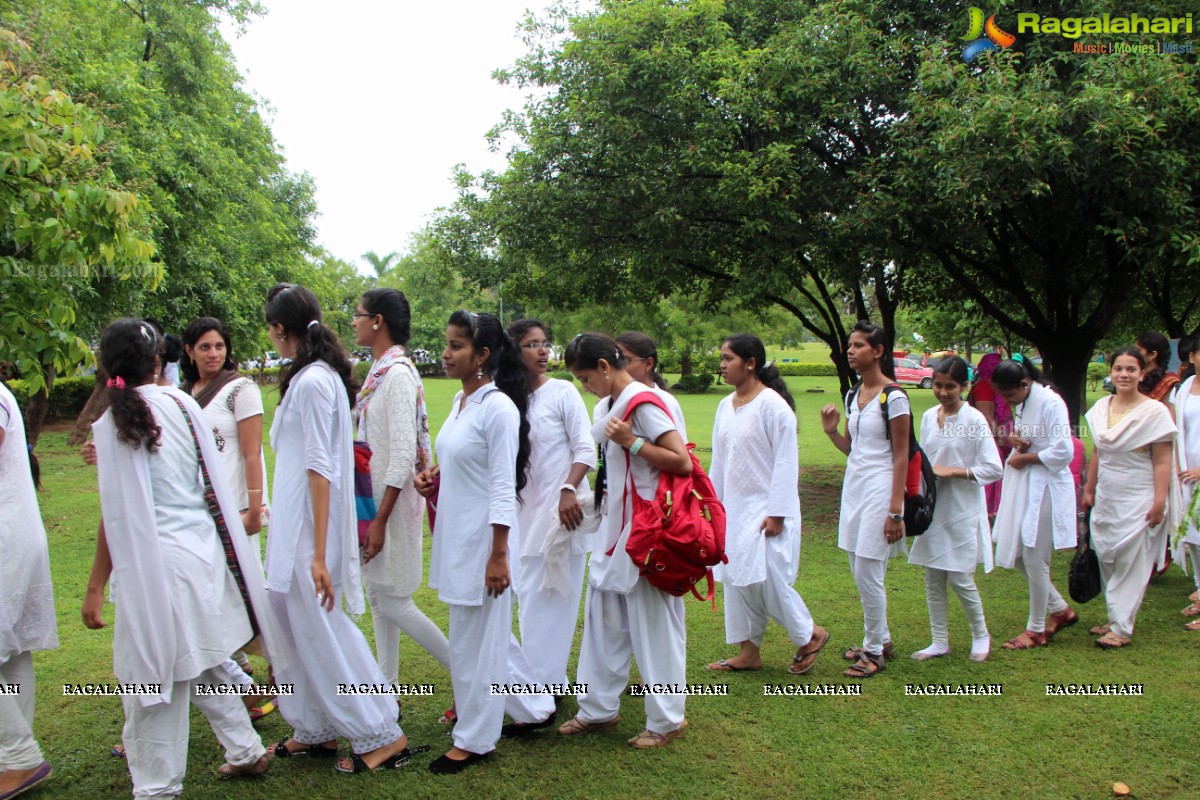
{"x": 381, "y": 264}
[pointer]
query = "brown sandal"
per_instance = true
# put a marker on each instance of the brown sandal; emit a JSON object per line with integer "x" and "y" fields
{"x": 855, "y": 653}
{"x": 802, "y": 662}
{"x": 1191, "y": 611}
{"x": 1026, "y": 640}
{"x": 1061, "y": 619}
{"x": 867, "y": 666}
{"x": 1100, "y": 630}
{"x": 1110, "y": 641}
{"x": 246, "y": 770}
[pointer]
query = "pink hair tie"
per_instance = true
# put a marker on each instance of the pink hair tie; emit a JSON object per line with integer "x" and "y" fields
{"x": 116, "y": 383}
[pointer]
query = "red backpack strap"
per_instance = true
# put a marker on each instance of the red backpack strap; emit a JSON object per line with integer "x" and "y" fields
{"x": 641, "y": 398}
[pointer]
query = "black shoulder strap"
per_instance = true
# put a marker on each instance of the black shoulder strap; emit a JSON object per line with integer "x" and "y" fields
{"x": 853, "y": 393}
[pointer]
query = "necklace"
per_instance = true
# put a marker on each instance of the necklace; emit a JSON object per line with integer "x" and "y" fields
{"x": 737, "y": 401}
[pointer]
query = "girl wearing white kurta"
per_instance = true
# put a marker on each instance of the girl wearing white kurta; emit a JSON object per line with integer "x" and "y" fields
{"x": 392, "y": 419}
{"x": 871, "y": 521}
{"x": 483, "y": 452}
{"x": 959, "y": 444}
{"x": 312, "y": 553}
{"x": 1037, "y": 510}
{"x": 756, "y": 472}
{"x": 179, "y": 608}
{"x": 26, "y": 602}
{"x": 623, "y": 614}
{"x": 1129, "y": 490}
{"x": 1187, "y": 452}
{"x": 549, "y": 555}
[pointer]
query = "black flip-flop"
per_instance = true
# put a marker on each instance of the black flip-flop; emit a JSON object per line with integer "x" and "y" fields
{"x": 443, "y": 765}
{"x": 393, "y": 762}
{"x": 312, "y": 750}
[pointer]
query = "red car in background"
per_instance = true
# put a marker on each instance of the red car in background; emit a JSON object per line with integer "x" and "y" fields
{"x": 911, "y": 372}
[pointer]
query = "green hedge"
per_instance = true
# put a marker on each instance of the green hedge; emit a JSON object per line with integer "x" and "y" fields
{"x": 562, "y": 375}
{"x": 20, "y": 390}
{"x": 696, "y": 383}
{"x": 1096, "y": 373}
{"x": 807, "y": 370}
{"x": 67, "y": 396}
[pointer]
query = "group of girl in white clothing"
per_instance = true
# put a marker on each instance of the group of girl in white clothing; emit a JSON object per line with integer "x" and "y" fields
{"x": 183, "y": 494}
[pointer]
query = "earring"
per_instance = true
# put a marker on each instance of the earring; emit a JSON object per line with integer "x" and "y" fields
{"x": 374, "y": 327}
{"x": 479, "y": 372}
{"x": 605, "y": 374}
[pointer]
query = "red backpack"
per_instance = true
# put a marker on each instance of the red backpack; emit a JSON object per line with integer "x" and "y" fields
{"x": 677, "y": 537}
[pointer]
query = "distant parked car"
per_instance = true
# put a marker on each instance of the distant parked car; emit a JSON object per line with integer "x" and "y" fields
{"x": 911, "y": 372}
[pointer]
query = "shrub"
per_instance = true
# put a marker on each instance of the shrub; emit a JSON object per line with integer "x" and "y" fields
{"x": 360, "y": 371}
{"x": 562, "y": 375}
{"x": 696, "y": 383}
{"x": 68, "y": 397}
{"x": 807, "y": 370}
{"x": 1096, "y": 373}
{"x": 20, "y": 390}
{"x": 269, "y": 375}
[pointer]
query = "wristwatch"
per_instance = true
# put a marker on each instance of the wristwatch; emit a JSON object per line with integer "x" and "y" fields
{"x": 895, "y": 517}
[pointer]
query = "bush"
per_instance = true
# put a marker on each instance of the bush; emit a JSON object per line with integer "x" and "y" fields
{"x": 269, "y": 375}
{"x": 20, "y": 390}
{"x": 1096, "y": 373}
{"x": 562, "y": 375}
{"x": 68, "y": 396}
{"x": 360, "y": 371}
{"x": 807, "y": 370}
{"x": 696, "y": 383}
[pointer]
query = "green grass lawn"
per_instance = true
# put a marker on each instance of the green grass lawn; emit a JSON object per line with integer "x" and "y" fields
{"x": 882, "y": 744}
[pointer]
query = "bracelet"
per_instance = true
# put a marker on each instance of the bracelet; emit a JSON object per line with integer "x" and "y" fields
{"x": 970, "y": 477}
{"x": 251, "y": 491}
{"x": 566, "y": 487}
{"x": 637, "y": 445}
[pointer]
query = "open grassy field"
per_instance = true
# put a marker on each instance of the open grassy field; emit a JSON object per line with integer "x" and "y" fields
{"x": 882, "y": 744}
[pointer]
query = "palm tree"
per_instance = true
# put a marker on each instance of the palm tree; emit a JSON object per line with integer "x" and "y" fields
{"x": 381, "y": 264}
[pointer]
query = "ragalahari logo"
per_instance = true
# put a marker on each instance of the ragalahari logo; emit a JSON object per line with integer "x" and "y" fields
{"x": 983, "y": 36}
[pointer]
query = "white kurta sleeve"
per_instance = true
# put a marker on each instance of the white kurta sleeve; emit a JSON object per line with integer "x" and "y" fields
{"x": 1060, "y": 452}
{"x": 575, "y": 420}
{"x": 501, "y": 429}
{"x": 248, "y": 401}
{"x": 315, "y": 401}
{"x": 716, "y": 469}
{"x": 399, "y": 407}
{"x": 986, "y": 467}
{"x": 783, "y": 499}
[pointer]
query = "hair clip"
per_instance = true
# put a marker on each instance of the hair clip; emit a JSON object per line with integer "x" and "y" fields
{"x": 116, "y": 383}
{"x": 314, "y": 322}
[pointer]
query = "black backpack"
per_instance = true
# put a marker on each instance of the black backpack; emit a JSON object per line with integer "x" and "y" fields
{"x": 920, "y": 485}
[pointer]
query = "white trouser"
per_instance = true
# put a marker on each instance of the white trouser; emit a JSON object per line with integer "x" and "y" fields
{"x": 232, "y": 673}
{"x": 647, "y": 624}
{"x": 1035, "y": 564}
{"x": 1194, "y": 555}
{"x": 394, "y": 613}
{"x": 868, "y": 574}
{"x": 18, "y": 748}
{"x": 963, "y": 584}
{"x": 547, "y": 619}
{"x": 747, "y": 608}
{"x": 156, "y": 737}
{"x": 1125, "y": 582}
{"x": 329, "y": 649}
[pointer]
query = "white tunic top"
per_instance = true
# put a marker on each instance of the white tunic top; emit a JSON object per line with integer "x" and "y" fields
{"x": 559, "y": 437}
{"x": 756, "y": 472}
{"x": 1187, "y": 418}
{"x": 311, "y": 431}
{"x": 477, "y": 452}
{"x": 391, "y": 431}
{"x": 617, "y": 572}
{"x": 26, "y": 593}
{"x": 960, "y": 535}
{"x": 1042, "y": 419}
{"x": 867, "y": 485}
{"x": 238, "y": 400}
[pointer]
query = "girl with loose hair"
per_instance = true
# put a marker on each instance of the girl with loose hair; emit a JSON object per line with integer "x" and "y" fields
{"x": 624, "y": 614}
{"x": 959, "y": 444}
{"x": 312, "y": 553}
{"x": 483, "y": 457}
{"x": 871, "y": 523}
{"x": 1131, "y": 492}
{"x": 1037, "y": 510}
{"x": 187, "y": 587}
{"x": 755, "y": 470}
{"x": 1156, "y": 383}
{"x": 393, "y": 421}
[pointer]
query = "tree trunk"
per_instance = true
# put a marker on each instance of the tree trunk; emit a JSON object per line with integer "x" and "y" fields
{"x": 96, "y": 405}
{"x": 685, "y": 363}
{"x": 35, "y": 413}
{"x": 1067, "y": 360}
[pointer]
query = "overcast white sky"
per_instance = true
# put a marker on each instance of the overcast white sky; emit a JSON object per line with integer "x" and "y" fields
{"x": 379, "y": 100}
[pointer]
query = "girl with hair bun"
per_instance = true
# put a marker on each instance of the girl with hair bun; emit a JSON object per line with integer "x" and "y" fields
{"x": 641, "y": 361}
{"x": 187, "y": 587}
{"x": 312, "y": 552}
{"x": 624, "y": 614}
{"x": 959, "y": 443}
{"x": 483, "y": 455}
{"x": 756, "y": 473}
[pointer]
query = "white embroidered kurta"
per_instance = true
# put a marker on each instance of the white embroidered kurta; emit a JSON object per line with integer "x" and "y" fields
{"x": 867, "y": 485}
{"x": 1125, "y": 479}
{"x": 1042, "y": 419}
{"x": 391, "y": 431}
{"x": 477, "y": 452}
{"x": 960, "y": 535}
{"x": 311, "y": 431}
{"x": 617, "y": 572}
{"x": 755, "y": 470}
{"x": 1187, "y": 452}
{"x": 26, "y": 592}
{"x": 238, "y": 400}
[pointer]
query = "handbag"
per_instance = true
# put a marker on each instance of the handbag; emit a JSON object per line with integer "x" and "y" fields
{"x": 1083, "y": 579}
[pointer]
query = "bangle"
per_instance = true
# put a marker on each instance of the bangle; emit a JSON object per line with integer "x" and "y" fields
{"x": 637, "y": 445}
{"x": 566, "y": 487}
{"x": 253, "y": 491}
{"x": 970, "y": 477}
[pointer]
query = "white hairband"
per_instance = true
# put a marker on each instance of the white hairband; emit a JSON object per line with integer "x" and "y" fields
{"x": 314, "y": 322}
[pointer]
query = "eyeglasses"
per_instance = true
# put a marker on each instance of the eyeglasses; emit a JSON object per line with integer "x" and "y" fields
{"x": 536, "y": 345}
{"x": 356, "y": 315}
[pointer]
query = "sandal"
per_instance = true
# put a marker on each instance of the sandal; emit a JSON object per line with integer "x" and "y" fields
{"x": 1191, "y": 611}
{"x": 724, "y": 666}
{"x": 867, "y": 666}
{"x": 444, "y": 765}
{"x": 395, "y": 761}
{"x": 802, "y": 662}
{"x": 448, "y": 717}
{"x": 1061, "y": 619}
{"x": 575, "y": 726}
{"x": 855, "y": 653}
{"x": 1100, "y": 630}
{"x": 310, "y": 750}
{"x": 1110, "y": 641}
{"x": 258, "y": 713}
{"x": 518, "y": 729}
{"x": 649, "y": 740}
{"x": 246, "y": 770}
{"x": 1026, "y": 640}
{"x": 1194, "y": 625}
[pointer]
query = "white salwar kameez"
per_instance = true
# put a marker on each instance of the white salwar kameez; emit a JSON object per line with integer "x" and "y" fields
{"x": 1187, "y": 454}
{"x": 866, "y": 500}
{"x": 959, "y": 537}
{"x": 477, "y": 452}
{"x": 623, "y": 614}
{"x": 178, "y": 610}
{"x": 1127, "y": 547}
{"x": 391, "y": 422}
{"x": 311, "y": 433}
{"x": 26, "y": 593}
{"x": 755, "y": 471}
{"x": 1037, "y": 510}
{"x": 548, "y": 601}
